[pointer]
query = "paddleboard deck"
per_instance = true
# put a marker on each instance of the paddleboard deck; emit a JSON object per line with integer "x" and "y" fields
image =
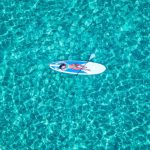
{"x": 90, "y": 68}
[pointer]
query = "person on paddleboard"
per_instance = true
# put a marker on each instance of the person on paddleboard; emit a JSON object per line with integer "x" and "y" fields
{"x": 73, "y": 66}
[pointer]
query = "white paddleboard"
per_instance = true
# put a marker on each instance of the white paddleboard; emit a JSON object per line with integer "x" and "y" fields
{"x": 87, "y": 68}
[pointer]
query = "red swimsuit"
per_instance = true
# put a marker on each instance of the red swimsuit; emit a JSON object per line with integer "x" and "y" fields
{"x": 76, "y": 67}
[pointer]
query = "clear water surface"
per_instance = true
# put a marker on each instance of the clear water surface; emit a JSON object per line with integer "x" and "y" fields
{"x": 41, "y": 109}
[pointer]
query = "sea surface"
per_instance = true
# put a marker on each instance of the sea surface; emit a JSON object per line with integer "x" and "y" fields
{"x": 41, "y": 109}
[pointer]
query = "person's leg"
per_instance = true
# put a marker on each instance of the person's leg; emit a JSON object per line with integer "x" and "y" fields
{"x": 84, "y": 68}
{"x": 79, "y": 66}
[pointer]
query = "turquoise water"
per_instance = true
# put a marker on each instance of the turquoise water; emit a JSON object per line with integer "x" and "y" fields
{"x": 42, "y": 109}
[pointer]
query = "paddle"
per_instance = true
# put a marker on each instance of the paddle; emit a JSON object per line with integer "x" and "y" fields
{"x": 91, "y": 57}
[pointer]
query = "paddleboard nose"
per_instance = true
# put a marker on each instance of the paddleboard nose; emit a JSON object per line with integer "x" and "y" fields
{"x": 103, "y": 68}
{"x": 53, "y": 65}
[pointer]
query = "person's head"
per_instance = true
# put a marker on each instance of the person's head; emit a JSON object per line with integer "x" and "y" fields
{"x": 62, "y": 66}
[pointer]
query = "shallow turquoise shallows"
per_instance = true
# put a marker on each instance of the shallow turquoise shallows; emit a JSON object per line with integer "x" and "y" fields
{"x": 41, "y": 109}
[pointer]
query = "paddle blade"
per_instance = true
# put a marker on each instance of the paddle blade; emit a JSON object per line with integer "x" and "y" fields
{"x": 92, "y": 56}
